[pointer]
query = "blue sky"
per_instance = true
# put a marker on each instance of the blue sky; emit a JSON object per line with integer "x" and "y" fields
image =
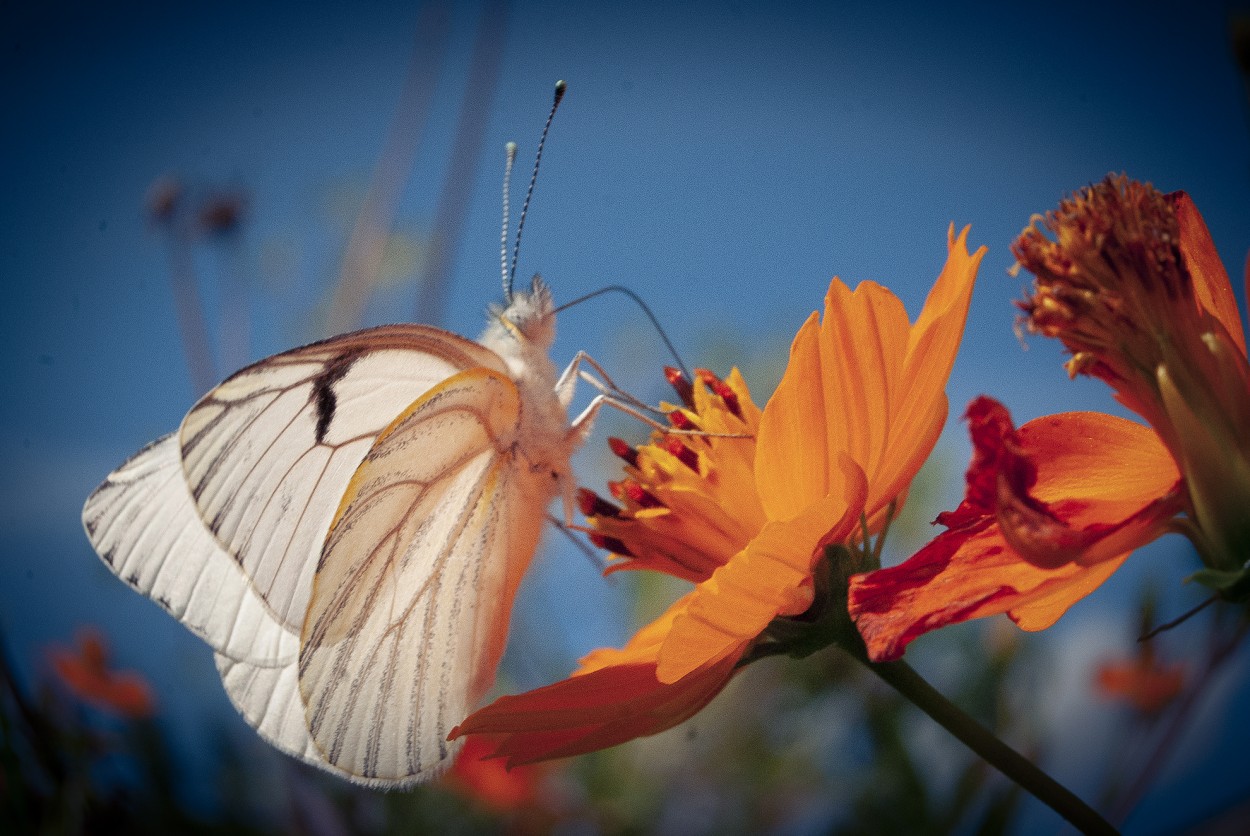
{"x": 723, "y": 160}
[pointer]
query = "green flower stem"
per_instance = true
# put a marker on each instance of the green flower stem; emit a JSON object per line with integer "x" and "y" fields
{"x": 997, "y": 753}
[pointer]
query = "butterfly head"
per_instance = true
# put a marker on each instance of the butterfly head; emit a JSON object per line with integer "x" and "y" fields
{"x": 528, "y": 318}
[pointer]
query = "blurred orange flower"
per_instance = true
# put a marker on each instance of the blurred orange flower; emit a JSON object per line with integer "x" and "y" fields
{"x": 1133, "y": 288}
{"x": 745, "y": 510}
{"x": 86, "y": 673}
{"x": 1143, "y": 682}
{"x": 477, "y": 775}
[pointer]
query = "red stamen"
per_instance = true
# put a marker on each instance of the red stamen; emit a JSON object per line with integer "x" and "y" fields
{"x": 593, "y": 505}
{"x": 622, "y": 449}
{"x": 681, "y": 420}
{"x": 684, "y": 454}
{"x": 721, "y": 389}
{"x": 612, "y": 544}
{"x": 639, "y": 495}
{"x": 682, "y": 386}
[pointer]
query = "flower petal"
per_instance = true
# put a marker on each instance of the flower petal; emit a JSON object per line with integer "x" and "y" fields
{"x": 1211, "y": 284}
{"x": 593, "y": 711}
{"x": 1147, "y": 685}
{"x": 87, "y": 674}
{"x": 932, "y": 345}
{"x": 867, "y": 384}
{"x": 959, "y": 576}
{"x": 771, "y": 577}
{"x": 1102, "y": 485}
{"x": 477, "y": 775}
{"x": 790, "y": 468}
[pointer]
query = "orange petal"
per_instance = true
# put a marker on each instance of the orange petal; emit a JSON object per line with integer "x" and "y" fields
{"x": 593, "y": 711}
{"x": 1211, "y": 283}
{"x": 866, "y": 383}
{"x": 863, "y": 343}
{"x": 920, "y": 412}
{"x": 1107, "y": 485}
{"x": 833, "y": 399}
{"x": 1093, "y": 467}
{"x": 771, "y": 577}
{"x": 960, "y": 576}
{"x": 1054, "y": 484}
{"x": 790, "y": 464}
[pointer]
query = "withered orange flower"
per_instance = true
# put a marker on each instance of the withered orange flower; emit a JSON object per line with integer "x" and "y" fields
{"x": 1133, "y": 287}
{"x": 1076, "y": 491}
{"x": 744, "y": 507}
{"x": 85, "y": 671}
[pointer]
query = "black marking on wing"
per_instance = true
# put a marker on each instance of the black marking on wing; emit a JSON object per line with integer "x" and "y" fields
{"x": 322, "y": 395}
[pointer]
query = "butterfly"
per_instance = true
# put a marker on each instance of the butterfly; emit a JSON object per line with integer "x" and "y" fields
{"x": 346, "y": 525}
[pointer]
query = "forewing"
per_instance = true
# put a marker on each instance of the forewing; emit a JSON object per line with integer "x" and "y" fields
{"x": 268, "y": 454}
{"x": 410, "y": 606}
{"x": 143, "y": 523}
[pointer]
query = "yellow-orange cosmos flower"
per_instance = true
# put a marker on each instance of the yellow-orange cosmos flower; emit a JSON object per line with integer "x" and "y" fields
{"x": 746, "y": 511}
{"x": 1133, "y": 287}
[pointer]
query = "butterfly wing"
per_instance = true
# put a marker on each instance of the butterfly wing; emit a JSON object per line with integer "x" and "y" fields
{"x": 144, "y": 524}
{"x": 196, "y": 545}
{"x": 268, "y": 454}
{"x": 409, "y": 611}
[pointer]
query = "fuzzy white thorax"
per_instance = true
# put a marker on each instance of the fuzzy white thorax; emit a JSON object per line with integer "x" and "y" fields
{"x": 522, "y": 334}
{"x": 524, "y": 328}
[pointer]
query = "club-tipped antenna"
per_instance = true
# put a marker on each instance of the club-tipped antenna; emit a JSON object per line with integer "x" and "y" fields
{"x": 529, "y": 193}
{"x": 616, "y": 288}
{"x": 510, "y": 151}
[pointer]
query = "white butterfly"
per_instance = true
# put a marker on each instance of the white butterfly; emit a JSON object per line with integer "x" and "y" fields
{"x": 346, "y": 524}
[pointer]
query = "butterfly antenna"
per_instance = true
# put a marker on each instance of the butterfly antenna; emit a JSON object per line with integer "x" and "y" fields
{"x": 616, "y": 288}
{"x": 510, "y": 150}
{"x": 538, "y": 158}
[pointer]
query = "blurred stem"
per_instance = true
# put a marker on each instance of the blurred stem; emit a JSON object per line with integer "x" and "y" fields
{"x": 235, "y": 347}
{"x": 1219, "y": 655}
{"x": 190, "y": 310}
{"x": 466, "y": 155}
{"x": 988, "y": 746}
{"x": 362, "y": 259}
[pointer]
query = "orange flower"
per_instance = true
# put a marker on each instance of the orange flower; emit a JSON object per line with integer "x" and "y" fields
{"x": 1133, "y": 288}
{"x": 745, "y": 512}
{"x": 87, "y": 674}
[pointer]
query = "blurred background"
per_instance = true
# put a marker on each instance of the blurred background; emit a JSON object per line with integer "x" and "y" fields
{"x": 188, "y": 185}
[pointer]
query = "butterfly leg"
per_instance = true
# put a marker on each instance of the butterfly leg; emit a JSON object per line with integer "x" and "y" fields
{"x": 567, "y": 529}
{"x": 567, "y": 383}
